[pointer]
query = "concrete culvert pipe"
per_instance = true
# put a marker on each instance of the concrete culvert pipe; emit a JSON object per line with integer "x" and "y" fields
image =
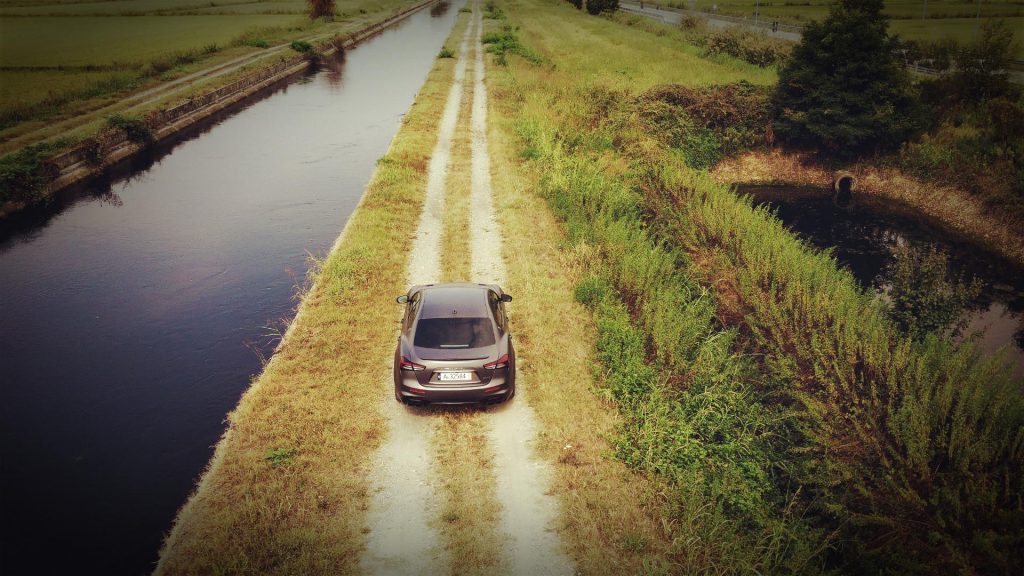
{"x": 843, "y": 185}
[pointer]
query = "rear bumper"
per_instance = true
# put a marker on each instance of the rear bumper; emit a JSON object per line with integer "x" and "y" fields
{"x": 411, "y": 391}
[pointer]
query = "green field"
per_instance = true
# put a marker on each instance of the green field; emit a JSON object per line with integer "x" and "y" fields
{"x": 896, "y": 9}
{"x": 54, "y": 55}
{"x": 943, "y": 19}
{"x": 135, "y": 7}
{"x": 100, "y": 41}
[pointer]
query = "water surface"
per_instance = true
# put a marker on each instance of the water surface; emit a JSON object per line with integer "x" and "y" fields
{"x": 135, "y": 311}
{"x": 864, "y": 236}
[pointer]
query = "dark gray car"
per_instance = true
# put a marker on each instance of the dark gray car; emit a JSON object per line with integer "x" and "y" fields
{"x": 455, "y": 346}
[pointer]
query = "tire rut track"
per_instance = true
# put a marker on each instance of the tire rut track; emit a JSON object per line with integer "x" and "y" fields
{"x": 403, "y": 538}
{"x": 529, "y": 512}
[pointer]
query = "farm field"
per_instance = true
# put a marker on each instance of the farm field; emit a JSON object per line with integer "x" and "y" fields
{"x": 943, "y": 19}
{"x": 56, "y": 55}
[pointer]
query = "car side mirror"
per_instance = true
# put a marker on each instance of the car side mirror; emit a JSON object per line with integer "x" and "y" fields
{"x": 402, "y": 299}
{"x": 506, "y": 297}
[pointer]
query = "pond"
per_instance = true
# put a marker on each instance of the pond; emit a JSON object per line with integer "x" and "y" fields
{"x": 864, "y": 236}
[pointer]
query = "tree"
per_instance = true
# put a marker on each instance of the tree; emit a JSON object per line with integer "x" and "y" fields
{"x": 844, "y": 88}
{"x": 595, "y": 7}
{"x": 321, "y": 8}
{"x": 981, "y": 68}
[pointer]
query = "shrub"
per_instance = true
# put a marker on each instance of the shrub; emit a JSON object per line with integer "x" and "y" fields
{"x": 135, "y": 128}
{"x": 499, "y": 43}
{"x": 981, "y": 68}
{"x": 493, "y": 11}
{"x": 446, "y": 53}
{"x": 596, "y": 7}
{"x": 924, "y": 299}
{"x": 25, "y": 174}
{"x": 301, "y": 46}
{"x": 843, "y": 89}
{"x": 774, "y": 396}
{"x": 321, "y": 9}
{"x": 706, "y": 123}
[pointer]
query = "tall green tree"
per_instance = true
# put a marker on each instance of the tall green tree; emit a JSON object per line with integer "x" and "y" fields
{"x": 321, "y": 8}
{"x": 845, "y": 88}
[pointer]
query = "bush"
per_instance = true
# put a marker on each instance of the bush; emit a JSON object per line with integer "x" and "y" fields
{"x": 321, "y": 9}
{"x": 446, "y": 53}
{"x": 135, "y": 128}
{"x": 981, "y": 68}
{"x": 844, "y": 89}
{"x": 25, "y": 174}
{"x": 706, "y": 123}
{"x": 774, "y": 396}
{"x": 753, "y": 47}
{"x": 302, "y": 46}
{"x": 493, "y": 11}
{"x": 499, "y": 43}
{"x": 596, "y": 7}
{"x": 924, "y": 299}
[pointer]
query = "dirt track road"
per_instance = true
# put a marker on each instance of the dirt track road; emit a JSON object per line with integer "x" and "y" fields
{"x": 403, "y": 517}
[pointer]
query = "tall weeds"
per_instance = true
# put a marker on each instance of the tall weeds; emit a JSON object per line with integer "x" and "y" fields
{"x": 799, "y": 430}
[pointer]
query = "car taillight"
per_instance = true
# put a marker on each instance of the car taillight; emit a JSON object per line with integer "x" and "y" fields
{"x": 499, "y": 363}
{"x": 411, "y": 366}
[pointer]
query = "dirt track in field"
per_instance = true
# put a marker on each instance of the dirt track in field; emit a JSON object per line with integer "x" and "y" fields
{"x": 403, "y": 520}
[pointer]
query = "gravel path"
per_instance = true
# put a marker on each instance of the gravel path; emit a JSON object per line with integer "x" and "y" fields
{"x": 403, "y": 507}
{"x": 528, "y": 510}
{"x": 403, "y": 536}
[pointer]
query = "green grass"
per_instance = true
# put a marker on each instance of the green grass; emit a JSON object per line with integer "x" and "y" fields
{"x": 61, "y": 41}
{"x": 93, "y": 50}
{"x": 795, "y": 429}
{"x": 945, "y": 19}
{"x": 963, "y": 30}
{"x": 816, "y": 9}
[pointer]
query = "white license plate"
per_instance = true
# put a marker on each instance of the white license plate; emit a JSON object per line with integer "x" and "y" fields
{"x": 454, "y": 376}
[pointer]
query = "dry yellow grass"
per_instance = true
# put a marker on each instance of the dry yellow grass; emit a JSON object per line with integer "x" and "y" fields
{"x": 469, "y": 513}
{"x": 610, "y": 519}
{"x": 455, "y": 253}
{"x": 948, "y": 204}
{"x": 286, "y": 491}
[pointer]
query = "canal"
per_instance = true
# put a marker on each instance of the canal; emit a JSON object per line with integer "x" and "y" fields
{"x": 136, "y": 310}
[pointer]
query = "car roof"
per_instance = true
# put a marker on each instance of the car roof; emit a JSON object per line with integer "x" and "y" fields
{"x": 461, "y": 300}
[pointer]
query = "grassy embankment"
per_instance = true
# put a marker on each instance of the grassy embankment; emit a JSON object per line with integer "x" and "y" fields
{"x": 286, "y": 490}
{"x": 790, "y": 426}
{"x": 60, "y": 60}
{"x": 999, "y": 229}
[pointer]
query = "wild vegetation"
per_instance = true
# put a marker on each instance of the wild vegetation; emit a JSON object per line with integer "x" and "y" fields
{"x": 794, "y": 426}
{"x": 844, "y": 89}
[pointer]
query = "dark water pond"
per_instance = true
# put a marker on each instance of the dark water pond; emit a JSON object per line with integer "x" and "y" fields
{"x": 864, "y": 236}
{"x": 134, "y": 311}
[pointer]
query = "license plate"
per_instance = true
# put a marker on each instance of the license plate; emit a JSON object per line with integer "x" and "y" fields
{"x": 454, "y": 376}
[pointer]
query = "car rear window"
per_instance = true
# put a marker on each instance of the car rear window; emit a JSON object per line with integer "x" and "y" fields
{"x": 454, "y": 333}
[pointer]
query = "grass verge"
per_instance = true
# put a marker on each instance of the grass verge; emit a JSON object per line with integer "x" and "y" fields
{"x": 317, "y": 400}
{"x": 790, "y": 427}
